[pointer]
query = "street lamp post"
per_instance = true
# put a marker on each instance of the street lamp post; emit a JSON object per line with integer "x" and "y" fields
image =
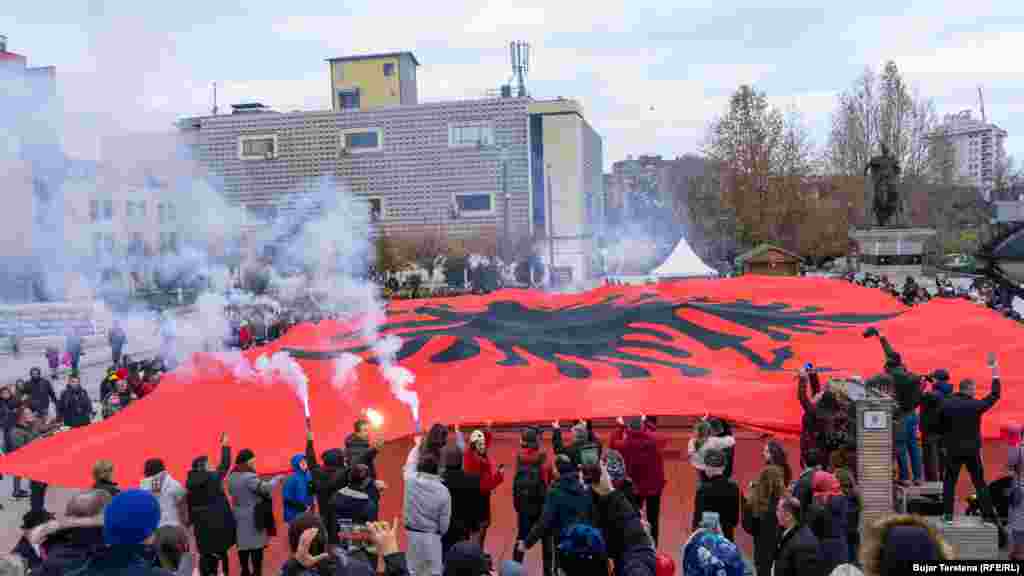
{"x": 551, "y": 231}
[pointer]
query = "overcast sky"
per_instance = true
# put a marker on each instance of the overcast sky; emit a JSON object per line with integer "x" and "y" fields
{"x": 649, "y": 74}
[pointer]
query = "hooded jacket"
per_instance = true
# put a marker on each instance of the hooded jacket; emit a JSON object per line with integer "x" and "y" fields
{"x": 428, "y": 503}
{"x": 297, "y": 493}
{"x": 67, "y": 544}
{"x": 209, "y": 508}
{"x": 931, "y": 406}
{"x": 171, "y": 495}
{"x": 566, "y": 502}
{"x": 75, "y": 407}
{"x": 483, "y": 466}
{"x": 643, "y": 453}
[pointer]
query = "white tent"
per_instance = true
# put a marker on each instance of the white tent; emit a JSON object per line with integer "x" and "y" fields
{"x": 683, "y": 263}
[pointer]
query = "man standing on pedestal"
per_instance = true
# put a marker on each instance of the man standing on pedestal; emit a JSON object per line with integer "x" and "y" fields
{"x": 960, "y": 419}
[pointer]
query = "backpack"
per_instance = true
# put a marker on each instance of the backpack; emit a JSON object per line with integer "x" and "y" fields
{"x": 528, "y": 490}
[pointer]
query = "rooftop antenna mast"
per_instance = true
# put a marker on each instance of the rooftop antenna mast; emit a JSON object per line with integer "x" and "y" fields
{"x": 214, "y": 98}
{"x": 520, "y": 52}
{"x": 981, "y": 100}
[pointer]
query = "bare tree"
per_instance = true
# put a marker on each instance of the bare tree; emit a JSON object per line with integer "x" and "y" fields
{"x": 881, "y": 109}
{"x": 765, "y": 156}
{"x": 1007, "y": 173}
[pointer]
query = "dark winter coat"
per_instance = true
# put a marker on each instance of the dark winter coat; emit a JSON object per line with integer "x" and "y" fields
{"x": 75, "y": 407}
{"x": 67, "y": 548}
{"x": 798, "y": 554}
{"x": 830, "y": 524}
{"x": 573, "y": 450}
{"x": 808, "y": 423}
{"x": 356, "y": 505}
{"x": 722, "y": 495}
{"x": 40, "y": 394}
{"x": 906, "y": 389}
{"x": 643, "y": 453}
{"x": 467, "y": 503}
{"x": 121, "y": 561}
{"x": 638, "y": 555}
{"x": 566, "y": 502}
{"x": 209, "y": 508}
{"x": 764, "y": 527}
{"x": 360, "y": 452}
{"x": 961, "y": 420}
{"x": 607, "y": 514}
{"x": 931, "y": 408}
{"x": 327, "y": 480}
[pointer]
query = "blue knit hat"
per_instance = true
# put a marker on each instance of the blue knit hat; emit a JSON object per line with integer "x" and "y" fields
{"x": 582, "y": 541}
{"x": 130, "y": 518}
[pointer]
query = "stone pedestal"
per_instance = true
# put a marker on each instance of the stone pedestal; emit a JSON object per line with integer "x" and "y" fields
{"x": 874, "y": 457}
{"x": 891, "y": 251}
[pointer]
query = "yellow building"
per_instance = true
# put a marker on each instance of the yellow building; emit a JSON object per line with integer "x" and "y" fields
{"x": 373, "y": 81}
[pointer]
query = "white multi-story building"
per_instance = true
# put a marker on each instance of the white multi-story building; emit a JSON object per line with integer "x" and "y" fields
{"x": 512, "y": 167}
{"x": 978, "y": 149}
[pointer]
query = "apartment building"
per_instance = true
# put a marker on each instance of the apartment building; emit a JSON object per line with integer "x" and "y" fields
{"x": 491, "y": 167}
{"x": 978, "y": 149}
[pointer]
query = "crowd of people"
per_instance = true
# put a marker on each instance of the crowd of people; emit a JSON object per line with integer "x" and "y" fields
{"x": 593, "y": 506}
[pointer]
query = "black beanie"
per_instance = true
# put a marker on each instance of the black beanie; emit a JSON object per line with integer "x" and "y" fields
{"x": 244, "y": 456}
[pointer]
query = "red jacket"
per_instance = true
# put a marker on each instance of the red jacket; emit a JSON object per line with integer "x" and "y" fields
{"x": 483, "y": 466}
{"x": 530, "y": 456}
{"x": 244, "y": 336}
{"x": 644, "y": 454}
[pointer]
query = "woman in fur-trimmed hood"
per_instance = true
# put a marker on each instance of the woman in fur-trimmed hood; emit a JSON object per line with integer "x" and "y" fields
{"x": 893, "y": 542}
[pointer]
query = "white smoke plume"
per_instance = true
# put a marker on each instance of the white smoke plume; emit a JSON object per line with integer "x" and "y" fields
{"x": 345, "y": 372}
{"x": 398, "y": 377}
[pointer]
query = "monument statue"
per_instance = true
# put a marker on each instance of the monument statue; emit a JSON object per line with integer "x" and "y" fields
{"x": 885, "y": 171}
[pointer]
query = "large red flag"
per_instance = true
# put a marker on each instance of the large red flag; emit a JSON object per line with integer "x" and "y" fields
{"x": 725, "y": 347}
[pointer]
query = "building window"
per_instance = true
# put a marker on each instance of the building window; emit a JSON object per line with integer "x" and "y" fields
{"x": 142, "y": 208}
{"x": 348, "y": 99}
{"x": 257, "y": 147}
{"x": 170, "y": 212}
{"x": 94, "y": 210}
{"x": 129, "y": 209}
{"x": 376, "y": 206}
{"x": 362, "y": 140}
{"x": 389, "y": 69}
{"x": 97, "y": 244}
{"x": 470, "y": 135}
{"x": 108, "y": 210}
{"x": 471, "y": 204}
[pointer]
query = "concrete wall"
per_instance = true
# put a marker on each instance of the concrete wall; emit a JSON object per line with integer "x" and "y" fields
{"x": 573, "y": 166}
{"x": 375, "y": 89}
{"x": 415, "y": 174}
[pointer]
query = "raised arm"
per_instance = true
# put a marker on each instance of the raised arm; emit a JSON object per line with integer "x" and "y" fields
{"x": 801, "y": 394}
{"x": 225, "y": 455}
